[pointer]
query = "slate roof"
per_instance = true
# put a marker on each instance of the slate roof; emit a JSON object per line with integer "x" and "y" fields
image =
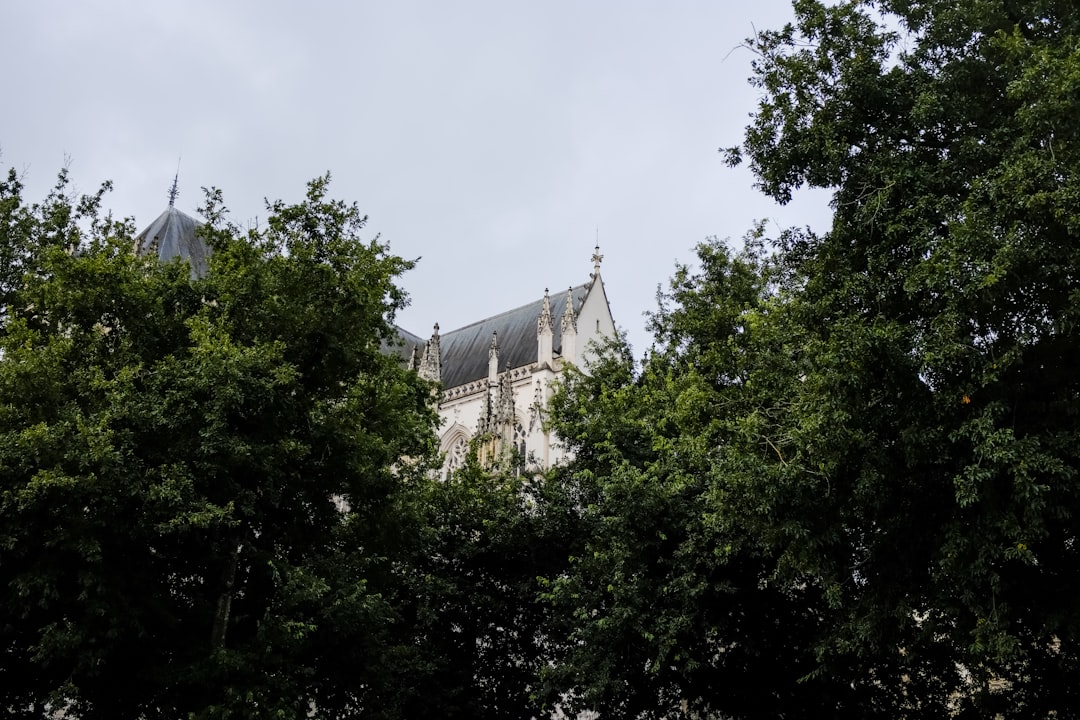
{"x": 404, "y": 345}
{"x": 465, "y": 350}
{"x": 172, "y": 235}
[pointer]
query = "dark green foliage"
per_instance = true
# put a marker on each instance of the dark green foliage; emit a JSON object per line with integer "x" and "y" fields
{"x": 844, "y": 483}
{"x": 485, "y": 539}
{"x": 173, "y": 454}
{"x": 936, "y": 324}
{"x": 676, "y": 602}
{"x": 866, "y": 436}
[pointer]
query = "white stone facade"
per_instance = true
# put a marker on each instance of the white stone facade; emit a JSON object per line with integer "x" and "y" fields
{"x": 497, "y": 374}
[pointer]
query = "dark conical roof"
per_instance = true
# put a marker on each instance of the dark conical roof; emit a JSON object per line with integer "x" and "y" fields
{"x": 173, "y": 234}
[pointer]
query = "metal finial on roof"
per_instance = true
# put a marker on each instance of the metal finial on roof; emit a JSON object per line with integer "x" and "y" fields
{"x": 175, "y": 189}
{"x": 596, "y": 258}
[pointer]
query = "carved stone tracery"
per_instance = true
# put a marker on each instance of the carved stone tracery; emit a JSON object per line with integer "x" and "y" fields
{"x": 456, "y": 455}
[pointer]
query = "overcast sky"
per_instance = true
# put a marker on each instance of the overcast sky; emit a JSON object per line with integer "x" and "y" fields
{"x": 495, "y": 140}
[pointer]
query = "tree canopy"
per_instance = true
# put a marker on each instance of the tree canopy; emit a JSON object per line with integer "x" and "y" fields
{"x": 846, "y": 474}
{"x": 937, "y": 319}
{"x": 842, "y": 483}
{"x": 201, "y": 480}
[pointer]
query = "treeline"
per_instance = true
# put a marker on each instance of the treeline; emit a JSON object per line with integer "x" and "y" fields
{"x": 842, "y": 483}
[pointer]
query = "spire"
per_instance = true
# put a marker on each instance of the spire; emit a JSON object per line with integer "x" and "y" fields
{"x": 569, "y": 328}
{"x": 493, "y": 358}
{"x": 484, "y": 423}
{"x": 543, "y": 323}
{"x": 504, "y": 403}
{"x": 544, "y": 332}
{"x": 536, "y": 410}
{"x": 175, "y": 234}
{"x": 431, "y": 363}
{"x": 569, "y": 319}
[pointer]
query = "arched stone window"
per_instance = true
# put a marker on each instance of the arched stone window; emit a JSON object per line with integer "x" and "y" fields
{"x": 455, "y": 446}
{"x": 455, "y": 456}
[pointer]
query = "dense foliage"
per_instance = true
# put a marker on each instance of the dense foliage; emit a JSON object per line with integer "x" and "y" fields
{"x": 175, "y": 457}
{"x": 486, "y": 536}
{"x": 677, "y": 598}
{"x": 847, "y": 475}
{"x": 843, "y": 482}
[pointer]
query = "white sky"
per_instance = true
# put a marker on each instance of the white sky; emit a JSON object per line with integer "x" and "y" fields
{"x": 493, "y": 139}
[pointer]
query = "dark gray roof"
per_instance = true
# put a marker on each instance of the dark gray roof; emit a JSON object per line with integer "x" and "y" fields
{"x": 174, "y": 235}
{"x": 404, "y": 345}
{"x": 465, "y": 350}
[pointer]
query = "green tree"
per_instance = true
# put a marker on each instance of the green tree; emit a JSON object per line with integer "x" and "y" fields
{"x": 484, "y": 536}
{"x": 925, "y": 464}
{"x": 673, "y": 603}
{"x": 860, "y": 442}
{"x": 29, "y": 231}
{"x": 202, "y": 482}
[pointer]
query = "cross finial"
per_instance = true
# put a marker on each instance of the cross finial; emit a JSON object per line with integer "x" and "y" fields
{"x": 596, "y": 258}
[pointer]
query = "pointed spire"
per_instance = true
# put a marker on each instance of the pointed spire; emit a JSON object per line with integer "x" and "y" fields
{"x": 569, "y": 329}
{"x": 543, "y": 323}
{"x": 493, "y": 358}
{"x": 596, "y": 259}
{"x": 483, "y": 424}
{"x": 431, "y": 363}
{"x": 569, "y": 319}
{"x": 504, "y": 404}
{"x": 544, "y": 332}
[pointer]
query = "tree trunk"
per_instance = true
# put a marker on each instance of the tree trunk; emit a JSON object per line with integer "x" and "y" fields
{"x": 224, "y": 603}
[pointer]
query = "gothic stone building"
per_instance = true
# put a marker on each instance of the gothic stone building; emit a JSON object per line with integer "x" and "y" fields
{"x": 496, "y": 374}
